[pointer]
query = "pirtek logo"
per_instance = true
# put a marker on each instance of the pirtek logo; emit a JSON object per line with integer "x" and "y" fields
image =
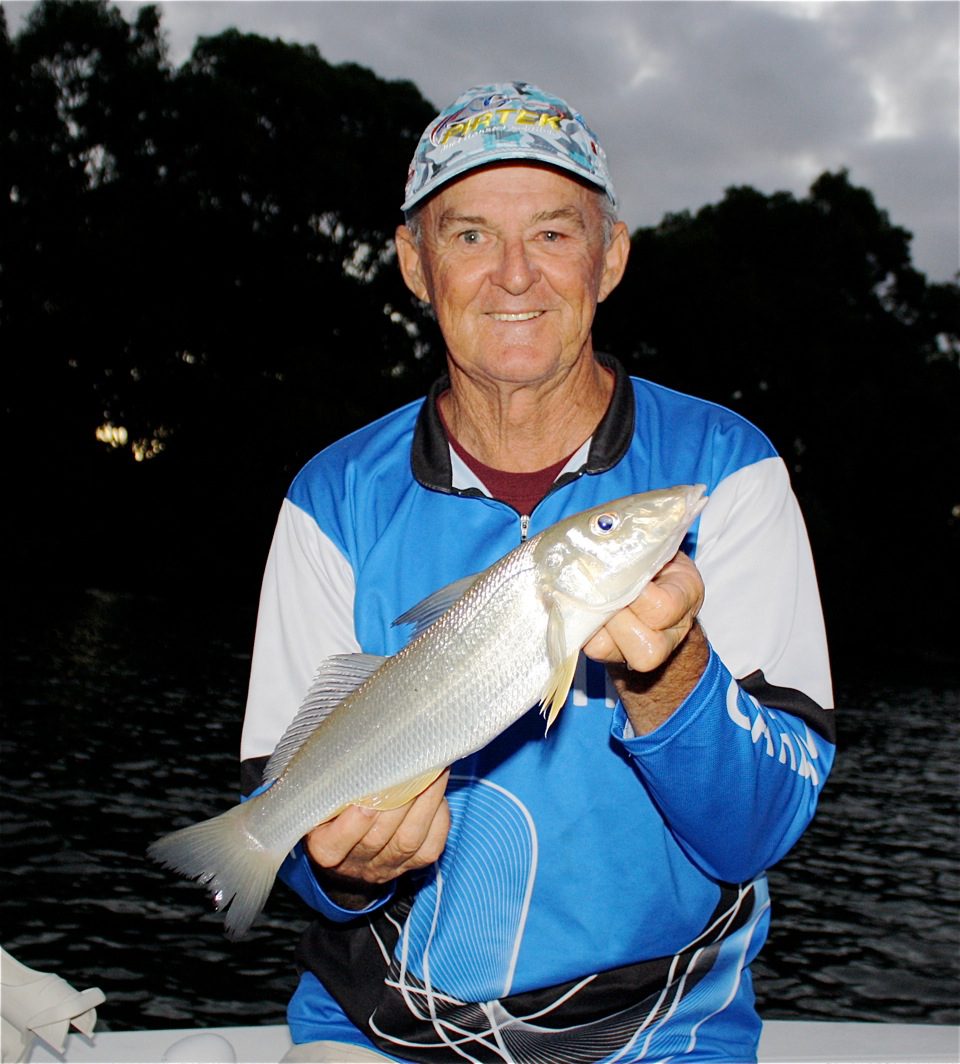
{"x": 502, "y": 116}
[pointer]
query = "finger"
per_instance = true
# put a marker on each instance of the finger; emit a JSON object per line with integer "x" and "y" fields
{"x": 674, "y": 594}
{"x": 639, "y": 646}
{"x": 436, "y": 840}
{"x": 405, "y": 826}
{"x": 648, "y": 631}
{"x": 400, "y": 836}
{"x": 415, "y": 845}
{"x": 329, "y": 843}
{"x": 670, "y": 601}
{"x": 372, "y": 844}
{"x": 601, "y": 647}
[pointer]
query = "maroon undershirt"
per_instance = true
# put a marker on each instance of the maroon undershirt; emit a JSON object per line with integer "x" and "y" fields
{"x": 522, "y": 491}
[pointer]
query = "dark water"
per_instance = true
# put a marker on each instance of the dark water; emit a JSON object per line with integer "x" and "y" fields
{"x": 122, "y": 714}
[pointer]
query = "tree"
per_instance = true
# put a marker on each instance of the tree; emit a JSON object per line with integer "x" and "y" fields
{"x": 195, "y": 297}
{"x": 807, "y": 316}
{"x": 198, "y": 292}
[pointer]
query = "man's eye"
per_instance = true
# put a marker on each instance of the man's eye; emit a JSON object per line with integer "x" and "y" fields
{"x": 471, "y": 236}
{"x": 551, "y": 236}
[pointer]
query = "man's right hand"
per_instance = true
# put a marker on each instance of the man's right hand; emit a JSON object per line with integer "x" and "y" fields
{"x": 366, "y": 847}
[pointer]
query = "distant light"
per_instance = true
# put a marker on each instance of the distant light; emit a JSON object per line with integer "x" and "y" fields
{"x": 142, "y": 449}
{"x": 113, "y": 435}
{"x": 145, "y": 449}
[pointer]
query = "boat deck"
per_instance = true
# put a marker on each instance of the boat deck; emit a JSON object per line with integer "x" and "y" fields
{"x": 783, "y": 1042}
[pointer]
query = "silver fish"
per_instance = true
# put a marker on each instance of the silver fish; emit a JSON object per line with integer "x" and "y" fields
{"x": 376, "y": 731}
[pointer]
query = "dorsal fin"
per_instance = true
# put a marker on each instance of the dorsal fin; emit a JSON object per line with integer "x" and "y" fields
{"x": 433, "y": 606}
{"x": 337, "y": 677}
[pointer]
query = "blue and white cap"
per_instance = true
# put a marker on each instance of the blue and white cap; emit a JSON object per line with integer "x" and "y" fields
{"x": 496, "y": 123}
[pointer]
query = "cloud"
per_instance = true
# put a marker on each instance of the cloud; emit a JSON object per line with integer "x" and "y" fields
{"x": 688, "y": 98}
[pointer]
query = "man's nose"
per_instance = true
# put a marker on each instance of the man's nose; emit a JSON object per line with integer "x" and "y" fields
{"x": 515, "y": 271}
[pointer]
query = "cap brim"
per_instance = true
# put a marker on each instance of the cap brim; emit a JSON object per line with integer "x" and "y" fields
{"x": 514, "y": 154}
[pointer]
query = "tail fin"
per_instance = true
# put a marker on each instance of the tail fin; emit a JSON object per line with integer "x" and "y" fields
{"x": 222, "y": 853}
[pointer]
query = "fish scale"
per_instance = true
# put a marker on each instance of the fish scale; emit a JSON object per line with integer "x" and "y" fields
{"x": 485, "y": 647}
{"x": 506, "y": 643}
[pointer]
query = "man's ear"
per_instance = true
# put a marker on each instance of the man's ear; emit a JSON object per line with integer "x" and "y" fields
{"x": 614, "y": 260}
{"x": 411, "y": 264}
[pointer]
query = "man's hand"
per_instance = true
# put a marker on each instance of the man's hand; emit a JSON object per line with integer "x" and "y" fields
{"x": 363, "y": 848}
{"x": 654, "y": 649}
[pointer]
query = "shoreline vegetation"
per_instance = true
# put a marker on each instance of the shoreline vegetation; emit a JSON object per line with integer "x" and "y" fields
{"x": 200, "y": 293}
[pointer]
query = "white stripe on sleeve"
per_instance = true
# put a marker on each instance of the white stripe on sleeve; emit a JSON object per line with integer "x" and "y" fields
{"x": 762, "y": 607}
{"x": 305, "y": 615}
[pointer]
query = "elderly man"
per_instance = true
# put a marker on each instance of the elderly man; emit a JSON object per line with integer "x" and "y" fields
{"x": 598, "y": 896}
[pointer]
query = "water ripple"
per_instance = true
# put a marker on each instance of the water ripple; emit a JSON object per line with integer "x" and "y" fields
{"x": 128, "y": 718}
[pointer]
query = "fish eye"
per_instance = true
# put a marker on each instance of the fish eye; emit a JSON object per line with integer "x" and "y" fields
{"x": 604, "y": 524}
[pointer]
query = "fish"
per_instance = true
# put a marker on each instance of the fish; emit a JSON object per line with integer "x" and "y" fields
{"x": 376, "y": 731}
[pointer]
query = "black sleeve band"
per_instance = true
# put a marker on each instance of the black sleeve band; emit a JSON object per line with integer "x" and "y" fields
{"x": 822, "y": 721}
{"x": 251, "y": 774}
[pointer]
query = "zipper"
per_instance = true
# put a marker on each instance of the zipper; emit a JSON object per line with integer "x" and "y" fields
{"x": 567, "y": 478}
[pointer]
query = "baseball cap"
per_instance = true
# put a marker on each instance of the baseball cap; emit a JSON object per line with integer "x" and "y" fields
{"x": 495, "y": 123}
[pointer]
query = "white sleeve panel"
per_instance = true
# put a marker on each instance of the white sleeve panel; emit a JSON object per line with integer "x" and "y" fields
{"x": 306, "y": 614}
{"x": 762, "y": 607}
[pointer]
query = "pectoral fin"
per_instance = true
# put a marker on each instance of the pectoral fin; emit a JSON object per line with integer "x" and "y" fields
{"x": 394, "y": 797}
{"x": 563, "y": 665}
{"x": 558, "y": 687}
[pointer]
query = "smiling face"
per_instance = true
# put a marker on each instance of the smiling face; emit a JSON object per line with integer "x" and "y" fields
{"x": 513, "y": 260}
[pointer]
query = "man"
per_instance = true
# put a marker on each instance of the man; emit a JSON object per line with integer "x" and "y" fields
{"x": 598, "y": 895}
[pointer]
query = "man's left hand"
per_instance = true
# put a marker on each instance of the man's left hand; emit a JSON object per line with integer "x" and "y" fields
{"x": 653, "y": 648}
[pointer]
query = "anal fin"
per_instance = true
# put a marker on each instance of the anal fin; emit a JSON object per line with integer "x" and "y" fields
{"x": 394, "y": 797}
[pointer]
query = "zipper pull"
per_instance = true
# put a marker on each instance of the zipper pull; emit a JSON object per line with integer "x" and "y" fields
{"x": 524, "y": 526}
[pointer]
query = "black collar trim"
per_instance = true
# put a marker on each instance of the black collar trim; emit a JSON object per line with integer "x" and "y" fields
{"x": 430, "y": 454}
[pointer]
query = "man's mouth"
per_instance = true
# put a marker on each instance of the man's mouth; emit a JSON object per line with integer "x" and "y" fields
{"x": 527, "y": 315}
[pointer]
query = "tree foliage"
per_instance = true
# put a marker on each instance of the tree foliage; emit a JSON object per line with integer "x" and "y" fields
{"x": 806, "y": 316}
{"x": 198, "y": 267}
{"x": 199, "y": 291}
